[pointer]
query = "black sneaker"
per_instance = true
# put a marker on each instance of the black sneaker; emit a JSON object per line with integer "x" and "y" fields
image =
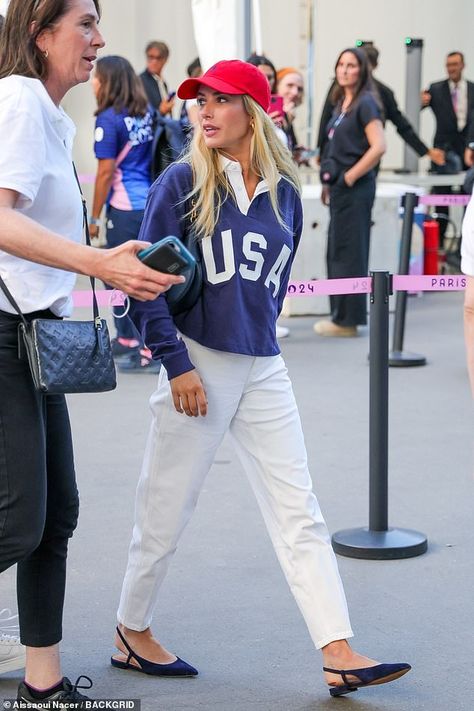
{"x": 68, "y": 694}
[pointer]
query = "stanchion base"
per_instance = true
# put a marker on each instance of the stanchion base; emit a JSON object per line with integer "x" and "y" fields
{"x": 379, "y": 545}
{"x": 404, "y": 359}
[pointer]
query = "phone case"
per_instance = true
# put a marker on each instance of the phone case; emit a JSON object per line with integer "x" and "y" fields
{"x": 168, "y": 255}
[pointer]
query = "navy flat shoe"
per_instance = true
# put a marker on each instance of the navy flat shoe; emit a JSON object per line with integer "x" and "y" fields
{"x": 368, "y": 676}
{"x": 177, "y": 668}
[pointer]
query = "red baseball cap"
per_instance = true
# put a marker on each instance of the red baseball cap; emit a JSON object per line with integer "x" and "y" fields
{"x": 231, "y": 76}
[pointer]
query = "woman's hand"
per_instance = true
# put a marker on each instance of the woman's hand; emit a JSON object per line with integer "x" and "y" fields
{"x": 94, "y": 231}
{"x": 325, "y": 195}
{"x": 347, "y": 179}
{"x": 289, "y": 107}
{"x": 121, "y": 268}
{"x": 166, "y": 106}
{"x": 189, "y": 395}
{"x": 276, "y": 117}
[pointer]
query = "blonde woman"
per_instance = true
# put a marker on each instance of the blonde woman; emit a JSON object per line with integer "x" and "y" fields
{"x": 224, "y": 373}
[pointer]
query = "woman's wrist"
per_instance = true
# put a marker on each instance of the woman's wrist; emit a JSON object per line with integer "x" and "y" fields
{"x": 348, "y": 179}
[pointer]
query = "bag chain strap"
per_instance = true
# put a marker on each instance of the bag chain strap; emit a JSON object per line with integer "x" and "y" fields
{"x": 95, "y": 306}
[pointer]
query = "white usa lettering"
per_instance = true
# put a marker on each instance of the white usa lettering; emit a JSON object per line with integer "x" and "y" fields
{"x": 255, "y": 260}
{"x": 139, "y": 129}
{"x": 229, "y": 263}
{"x": 253, "y": 256}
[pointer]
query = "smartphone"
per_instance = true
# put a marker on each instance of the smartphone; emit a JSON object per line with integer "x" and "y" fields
{"x": 306, "y": 154}
{"x": 169, "y": 255}
{"x": 276, "y": 104}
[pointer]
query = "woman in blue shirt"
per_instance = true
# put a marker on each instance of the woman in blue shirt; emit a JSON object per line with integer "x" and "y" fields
{"x": 354, "y": 146}
{"x": 223, "y": 373}
{"x": 123, "y": 147}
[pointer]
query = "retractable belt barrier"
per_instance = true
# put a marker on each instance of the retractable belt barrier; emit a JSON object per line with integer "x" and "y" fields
{"x": 314, "y": 287}
{"x": 378, "y": 541}
{"x": 398, "y": 357}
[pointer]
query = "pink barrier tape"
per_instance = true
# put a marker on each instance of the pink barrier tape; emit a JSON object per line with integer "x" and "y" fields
{"x": 326, "y": 287}
{"x": 429, "y": 282}
{"x": 86, "y": 178}
{"x": 363, "y": 285}
{"x": 438, "y": 200}
{"x": 315, "y": 287}
{"x": 104, "y": 298}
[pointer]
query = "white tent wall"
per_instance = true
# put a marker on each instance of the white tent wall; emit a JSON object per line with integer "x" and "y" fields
{"x": 129, "y": 24}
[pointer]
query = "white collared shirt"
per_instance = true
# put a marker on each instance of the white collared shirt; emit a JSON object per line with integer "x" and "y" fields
{"x": 36, "y": 162}
{"x": 461, "y": 111}
{"x": 233, "y": 170}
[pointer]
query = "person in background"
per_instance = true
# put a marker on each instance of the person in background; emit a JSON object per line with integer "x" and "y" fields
{"x": 156, "y": 89}
{"x": 123, "y": 141}
{"x": 469, "y": 150}
{"x": 290, "y": 86}
{"x": 225, "y": 375}
{"x": 467, "y": 267}
{"x": 46, "y": 49}
{"x": 452, "y": 103}
{"x": 355, "y": 144}
{"x": 189, "y": 111}
{"x": 267, "y": 68}
{"x": 391, "y": 112}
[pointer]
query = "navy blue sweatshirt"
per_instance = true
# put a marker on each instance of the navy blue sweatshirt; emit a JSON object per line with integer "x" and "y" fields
{"x": 246, "y": 268}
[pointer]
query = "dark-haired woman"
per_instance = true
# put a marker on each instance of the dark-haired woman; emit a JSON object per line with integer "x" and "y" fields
{"x": 46, "y": 48}
{"x": 355, "y": 143}
{"x": 123, "y": 148}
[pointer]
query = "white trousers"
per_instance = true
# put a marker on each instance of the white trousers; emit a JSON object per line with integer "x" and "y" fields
{"x": 252, "y": 398}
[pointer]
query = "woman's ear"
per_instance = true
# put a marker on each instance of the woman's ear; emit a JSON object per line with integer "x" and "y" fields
{"x": 41, "y": 40}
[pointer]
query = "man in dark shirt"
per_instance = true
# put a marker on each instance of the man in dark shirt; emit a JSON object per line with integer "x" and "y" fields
{"x": 391, "y": 113}
{"x": 156, "y": 89}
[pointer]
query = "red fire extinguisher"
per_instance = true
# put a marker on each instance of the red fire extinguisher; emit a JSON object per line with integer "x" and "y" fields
{"x": 431, "y": 245}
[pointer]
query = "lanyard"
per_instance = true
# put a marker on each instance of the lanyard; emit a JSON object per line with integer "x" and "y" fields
{"x": 335, "y": 125}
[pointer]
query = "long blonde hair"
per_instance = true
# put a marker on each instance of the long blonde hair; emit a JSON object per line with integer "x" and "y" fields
{"x": 269, "y": 158}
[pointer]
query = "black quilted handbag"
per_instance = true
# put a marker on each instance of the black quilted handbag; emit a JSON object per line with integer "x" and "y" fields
{"x": 67, "y": 356}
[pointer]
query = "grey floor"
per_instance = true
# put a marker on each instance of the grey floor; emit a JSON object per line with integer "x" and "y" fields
{"x": 225, "y": 606}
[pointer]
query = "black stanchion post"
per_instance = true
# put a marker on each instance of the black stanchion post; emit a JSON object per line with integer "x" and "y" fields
{"x": 399, "y": 357}
{"x": 379, "y": 542}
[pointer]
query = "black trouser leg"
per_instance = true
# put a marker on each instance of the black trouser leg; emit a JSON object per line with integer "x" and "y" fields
{"x": 38, "y": 494}
{"x": 348, "y": 246}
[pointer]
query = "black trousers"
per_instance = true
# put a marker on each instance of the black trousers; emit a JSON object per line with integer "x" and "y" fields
{"x": 39, "y": 502}
{"x": 348, "y": 245}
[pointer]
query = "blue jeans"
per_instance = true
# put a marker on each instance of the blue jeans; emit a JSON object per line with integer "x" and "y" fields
{"x": 122, "y": 226}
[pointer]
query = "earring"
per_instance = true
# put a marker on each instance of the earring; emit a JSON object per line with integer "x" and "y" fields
{"x": 252, "y": 125}
{"x": 46, "y": 54}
